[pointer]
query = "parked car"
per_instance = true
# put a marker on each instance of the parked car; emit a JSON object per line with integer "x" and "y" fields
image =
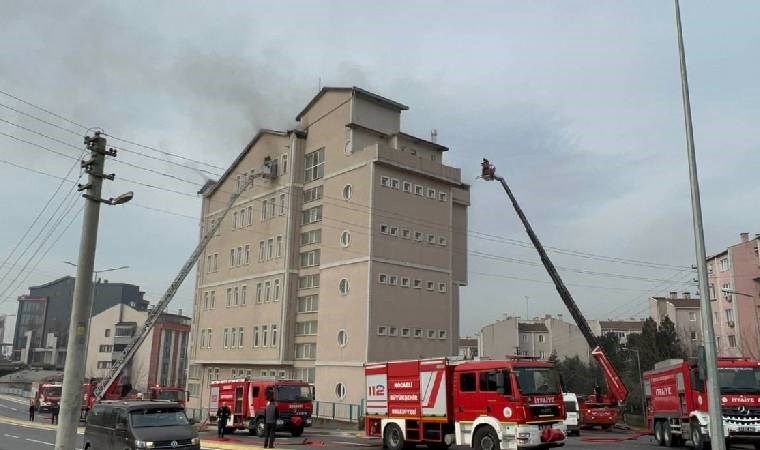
{"x": 133, "y": 425}
{"x": 573, "y": 419}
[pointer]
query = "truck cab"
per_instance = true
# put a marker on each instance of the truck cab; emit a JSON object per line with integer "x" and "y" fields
{"x": 572, "y": 413}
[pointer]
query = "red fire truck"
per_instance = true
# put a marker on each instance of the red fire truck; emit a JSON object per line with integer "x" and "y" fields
{"x": 114, "y": 392}
{"x": 47, "y": 394}
{"x": 247, "y": 399}
{"x": 483, "y": 404}
{"x": 174, "y": 394}
{"x": 676, "y": 399}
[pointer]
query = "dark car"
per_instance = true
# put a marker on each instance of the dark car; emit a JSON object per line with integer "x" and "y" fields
{"x": 132, "y": 425}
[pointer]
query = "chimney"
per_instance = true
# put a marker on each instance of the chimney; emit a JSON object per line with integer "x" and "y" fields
{"x": 434, "y": 136}
{"x": 687, "y": 295}
{"x": 744, "y": 237}
{"x": 673, "y": 294}
{"x": 179, "y": 312}
{"x": 559, "y": 316}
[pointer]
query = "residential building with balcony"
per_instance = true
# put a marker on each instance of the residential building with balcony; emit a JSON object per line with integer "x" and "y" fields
{"x": 684, "y": 313}
{"x": 620, "y": 328}
{"x": 351, "y": 250}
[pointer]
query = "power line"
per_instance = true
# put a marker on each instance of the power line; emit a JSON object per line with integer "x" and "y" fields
{"x": 43, "y": 109}
{"x": 39, "y": 119}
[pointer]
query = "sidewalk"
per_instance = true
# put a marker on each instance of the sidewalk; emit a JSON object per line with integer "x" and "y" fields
{"x": 38, "y": 425}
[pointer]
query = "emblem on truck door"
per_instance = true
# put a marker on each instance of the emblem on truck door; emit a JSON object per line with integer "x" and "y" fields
{"x": 507, "y": 412}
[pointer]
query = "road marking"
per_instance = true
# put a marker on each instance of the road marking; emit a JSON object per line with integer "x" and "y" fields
{"x": 10, "y": 436}
{"x": 8, "y": 407}
{"x": 354, "y": 444}
{"x": 38, "y": 442}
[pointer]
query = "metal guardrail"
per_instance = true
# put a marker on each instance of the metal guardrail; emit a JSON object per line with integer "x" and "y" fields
{"x": 342, "y": 412}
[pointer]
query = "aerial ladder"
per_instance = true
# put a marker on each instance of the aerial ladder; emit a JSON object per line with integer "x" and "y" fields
{"x": 267, "y": 171}
{"x": 616, "y": 389}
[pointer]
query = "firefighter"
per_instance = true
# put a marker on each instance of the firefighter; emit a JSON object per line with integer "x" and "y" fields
{"x": 31, "y": 412}
{"x": 222, "y": 416}
{"x": 54, "y": 411}
{"x": 270, "y": 423}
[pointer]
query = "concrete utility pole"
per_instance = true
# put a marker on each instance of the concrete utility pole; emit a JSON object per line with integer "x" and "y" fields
{"x": 76, "y": 348}
{"x": 713, "y": 388}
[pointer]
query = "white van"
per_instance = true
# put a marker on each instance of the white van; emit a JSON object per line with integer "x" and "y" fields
{"x": 573, "y": 419}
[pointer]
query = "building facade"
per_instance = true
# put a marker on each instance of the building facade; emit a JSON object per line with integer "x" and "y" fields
{"x": 468, "y": 348}
{"x": 620, "y": 328}
{"x": 734, "y": 276}
{"x": 162, "y": 358}
{"x": 42, "y": 319}
{"x": 684, "y": 313}
{"x": 352, "y": 250}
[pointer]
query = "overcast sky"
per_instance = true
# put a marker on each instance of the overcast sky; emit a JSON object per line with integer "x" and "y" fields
{"x": 577, "y": 102}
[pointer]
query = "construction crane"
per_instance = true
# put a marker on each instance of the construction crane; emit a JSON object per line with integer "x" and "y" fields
{"x": 267, "y": 171}
{"x": 616, "y": 389}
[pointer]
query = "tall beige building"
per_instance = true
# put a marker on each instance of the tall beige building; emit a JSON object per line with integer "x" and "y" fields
{"x": 353, "y": 251}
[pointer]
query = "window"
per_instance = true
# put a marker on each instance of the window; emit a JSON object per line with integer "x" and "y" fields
{"x": 249, "y": 215}
{"x": 431, "y": 239}
{"x": 731, "y": 340}
{"x": 692, "y": 317}
{"x": 276, "y": 289}
{"x": 441, "y": 334}
{"x": 442, "y": 241}
{"x": 405, "y": 282}
{"x": 347, "y": 191}
{"x": 382, "y": 330}
{"x": 395, "y": 183}
{"x": 406, "y": 332}
{"x": 255, "y": 336}
{"x": 418, "y": 332}
{"x": 209, "y": 264}
{"x": 306, "y": 328}
{"x": 430, "y": 286}
{"x": 431, "y": 334}
{"x": 712, "y": 292}
{"x": 342, "y": 338}
{"x": 693, "y": 335}
{"x": 724, "y": 288}
{"x": 417, "y": 283}
{"x": 267, "y": 291}
{"x": 258, "y": 292}
{"x": 306, "y": 351}
{"x": 385, "y": 181}
{"x": 233, "y": 337}
{"x": 262, "y": 247}
{"x": 225, "y": 340}
{"x": 264, "y": 210}
{"x": 305, "y": 374}
{"x": 205, "y": 300}
{"x": 239, "y": 256}
{"x": 406, "y": 186}
{"x": 236, "y": 297}
{"x": 312, "y": 215}
{"x": 418, "y": 236}
{"x": 419, "y": 190}
{"x": 442, "y": 196}
{"x": 309, "y": 303}
{"x": 243, "y": 290}
{"x": 343, "y": 286}
{"x": 274, "y": 335}
{"x": 229, "y": 297}
{"x": 270, "y": 248}
{"x": 264, "y": 335}
{"x": 724, "y": 264}
{"x": 382, "y": 278}
{"x": 340, "y": 391}
{"x": 234, "y": 220}
{"x": 442, "y": 287}
{"x": 210, "y": 337}
{"x": 104, "y": 364}
{"x": 310, "y": 258}
{"x": 311, "y": 237}
{"x": 385, "y": 229}
{"x": 247, "y": 257}
{"x": 308, "y": 281}
{"x": 405, "y": 233}
{"x": 213, "y": 299}
{"x": 312, "y": 194}
{"x": 392, "y": 331}
{"x": 345, "y": 239}
{"x": 730, "y": 315}
{"x": 232, "y": 257}
{"x": 284, "y": 164}
{"x": 394, "y": 231}
{"x": 431, "y": 193}
{"x": 314, "y": 165}
{"x": 525, "y": 338}
{"x": 105, "y": 348}
{"x": 393, "y": 280}
{"x": 216, "y": 262}
{"x": 467, "y": 382}
{"x": 541, "y": 338}
{"x": 542, "y": 355}
{"x": 272, "y": 207}
{"x": 282, "y": 204}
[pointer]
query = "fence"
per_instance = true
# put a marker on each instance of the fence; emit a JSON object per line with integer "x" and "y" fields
{"x": 342, "y": 412}
{"x": 18, "y": 392}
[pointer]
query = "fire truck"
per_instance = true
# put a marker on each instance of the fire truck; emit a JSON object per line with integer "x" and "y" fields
{"x": 483, "y": 404}
{"x": 676, "y": 399}
{"x": 47, "y": 394}
{"x": 174, "y": 394}
{"x": 596, "y": 408}
{"x": 115, "y": 392}
{"x": 247, "y": 399}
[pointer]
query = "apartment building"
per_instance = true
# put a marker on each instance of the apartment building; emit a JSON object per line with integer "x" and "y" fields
{"x": 684, "y": 313}
{"x": 537, "y": 338}
{"x": 351, "y": 249}
{"x": 620, "y": 328}
{"x": 734, "y": 277}
{"x": 162, "y": 358}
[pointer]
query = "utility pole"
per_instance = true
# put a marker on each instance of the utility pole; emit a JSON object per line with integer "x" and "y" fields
{"x": 81, "y": 309}
{"x": 717, "y": 440}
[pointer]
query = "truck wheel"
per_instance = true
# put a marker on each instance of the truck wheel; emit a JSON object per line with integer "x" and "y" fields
{"x": 697, "y": 438}
{"x": 658, "y": 433}
{"x": 297, "y": 431}
{"x": 260, "y": 427}
{"x": 485, "y": 438}
{"x": 667, "y": 435}
{"x": 393, "y": 438}
{"x": 252, "y": 428}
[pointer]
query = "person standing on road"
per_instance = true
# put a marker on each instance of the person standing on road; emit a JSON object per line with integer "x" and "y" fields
{"x": 31, "y": 412}
{"x": 222, "y": 416}
{"x": 270, "y": 424}
{"x": 54, "y": 411}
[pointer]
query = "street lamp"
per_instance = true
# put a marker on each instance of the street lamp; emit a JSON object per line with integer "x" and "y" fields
{"x": 641, "y": 377}
{"x": 729, "y": 291}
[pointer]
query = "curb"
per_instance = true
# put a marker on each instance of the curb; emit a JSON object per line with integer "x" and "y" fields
{"x": 221, "y": 445}
{"x": 37, "y": 425}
